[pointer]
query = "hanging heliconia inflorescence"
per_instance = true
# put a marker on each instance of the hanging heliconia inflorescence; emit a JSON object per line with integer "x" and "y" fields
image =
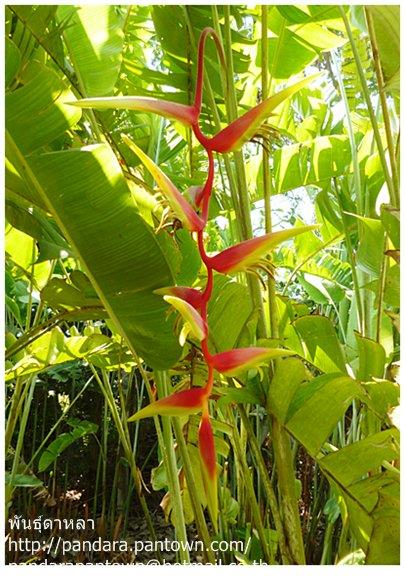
{"x": 189, "y": 302}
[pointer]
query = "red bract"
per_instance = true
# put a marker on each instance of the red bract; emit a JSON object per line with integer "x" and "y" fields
{"x": 188, "y": 115}
{"x": 209, "y": 465}
{"x": 175, "y": 405}
{"x": 190, "y": 295}
{"x": 236, "y": 361}
{"x": 182, "y": 209}
{"x": 248, "y": 253}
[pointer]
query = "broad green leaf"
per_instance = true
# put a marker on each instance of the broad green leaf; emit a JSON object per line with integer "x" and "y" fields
{"x": 390, "y": 219}
{"x": 386, "y": 20}
{"x": 12, "y": 61}
{"x": 380, "y": 396}
{"x": 310, "y": 163}
{"x": 37, "y": 112}
{"x": 295, "y": 44}
{"x": 321, "y": 345}
{"x": 94, "y": 38}
{"x": 63, "y": 441}
{"x": 288, "y": 376}
{"x": 384, "y": 548}
{"x": 317, "y": 407}
{"x": 371, "y": 245}
{"x": 21, "y": 480}
{"x": 319, "y": 37}
{"x": 371, "y": 359}
{"x": 60, "y": 294}
{"x": 120, "y": 253}
{"x": 241, "y": 396}
{"x": 53, "y": 348}
{"x": 229, "y": 309}
{"x": 350, "y": 463}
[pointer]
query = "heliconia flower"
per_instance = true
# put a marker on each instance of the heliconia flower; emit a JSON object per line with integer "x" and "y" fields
{"x": 248, "y": 253}
{"x": 182, "y": 209}
{"x": 237, "y": 361}
{"x": 243, "y": 128}
{"x": 190, "y": 295}
{"x": 193, "y": 323}
{"x": 178, "y": 404}
{"x": 188, "y": 115}
{"x": 209, "y": 465}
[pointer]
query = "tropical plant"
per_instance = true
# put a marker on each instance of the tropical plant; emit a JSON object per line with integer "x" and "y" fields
{"x": 275, "y": 153}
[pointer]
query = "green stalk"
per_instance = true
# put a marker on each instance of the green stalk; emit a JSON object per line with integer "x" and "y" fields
{"x": 250, "y": 491}
{"x": 287, "y": 489}
{"x": 265, "y": 479}
{"x": 21, "y": 434}
{"x": 383, "y": 100}
{"x": 350, "y": 256}
{"x": 244, "y": 203}
{"x": 394, "y": 197}
{"x": 267, "y": 180}
{"x": 126, "y": 444}
{"x": 162, "y": 386}
{"x": 281, "y": 440}
{"x": 381, "y": 288}
{"x": 13, "y": 413}
{"x": 358, "y": 278}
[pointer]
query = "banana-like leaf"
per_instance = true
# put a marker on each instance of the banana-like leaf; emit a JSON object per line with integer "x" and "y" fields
{"x": 123, "y": 258}
{"x": 94, "y": 37}
{"x": 320, "y": 343}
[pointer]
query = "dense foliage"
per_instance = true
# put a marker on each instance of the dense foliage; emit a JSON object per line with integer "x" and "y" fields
{"x": 307, "y": 443}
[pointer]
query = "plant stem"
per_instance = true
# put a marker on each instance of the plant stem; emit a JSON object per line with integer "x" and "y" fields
{"x": 244, "y": 204}
{"x": 286, "y": 484}
{"x": 174, "y": 488}
{"x": 247, "y": 477}
{"x": 383, "y": 100}
{"x": 264, "y": 476}
{"x": 267, "y": 179}
{"x": 366, "y": 94}
{"x": 105, "y": 387}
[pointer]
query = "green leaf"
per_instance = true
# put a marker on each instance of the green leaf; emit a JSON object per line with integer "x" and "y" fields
{"x": 63, "y": 441}
{"x": 54, "y": 348}
{"x": 229, "y": 309}
{"x": 12, "y": 60}
{"x": 353, "y": 461}
{"x": 58, "y": 293}
{"x": 310, "y": 163}
{"x": 317, "y": 407}
{"x": 372, "y": 359}
{"x": 390, "y": 219}
{"x": 20, "y": 480}
{"x": 380, "y": 396}
{"x": 371, "y": 245}
{"x": 94, "y": 37}
{"x": 37, "y": 112}
{"x": 121, "y": 254}
{"x": 321, "y": 345}
{"x": 386, "y": 19}
{"x": 288, "y": 376}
